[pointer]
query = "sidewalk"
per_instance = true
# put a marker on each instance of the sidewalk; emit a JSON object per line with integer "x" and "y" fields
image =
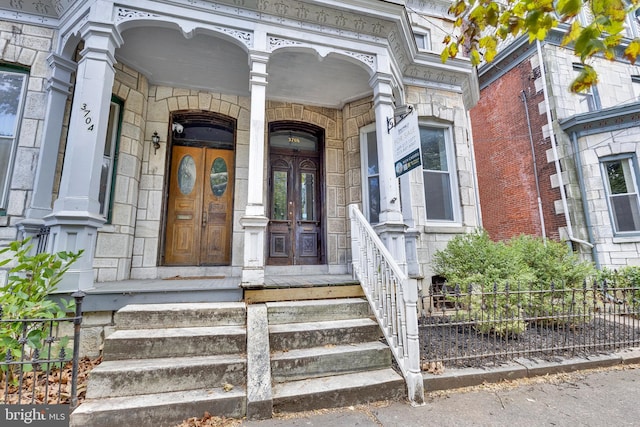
{"x": 601, "y": 397}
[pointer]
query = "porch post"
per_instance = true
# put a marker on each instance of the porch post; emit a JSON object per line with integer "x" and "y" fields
{"x": 254, "y": 220}
{"x": 391, "y": 227}
{"x": 75, "y": 218}
{"x": 59, "y": 88}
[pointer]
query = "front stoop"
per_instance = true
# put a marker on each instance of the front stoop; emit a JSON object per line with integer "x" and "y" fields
{"x": 328, "y": 353}
{"x": 166, "y": 363}
{"x": 169, "y": 362}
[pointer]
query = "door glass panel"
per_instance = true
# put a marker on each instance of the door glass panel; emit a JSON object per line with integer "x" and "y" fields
{"x": 186, "y": 174}
{"x": 279, "y": 197}
{"x": 307, "y": 196}
{"x": 219, "y": 177}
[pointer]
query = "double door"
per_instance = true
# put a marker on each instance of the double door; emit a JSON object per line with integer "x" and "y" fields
{"x": 199, "y": 207}
{"x": 295, "y": 226}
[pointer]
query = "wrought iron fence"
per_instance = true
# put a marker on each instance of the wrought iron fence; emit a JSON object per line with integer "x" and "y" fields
{"x": 472, "y": 327}
{"x": 40, "y": 369}
{"x": 43, "y": 239}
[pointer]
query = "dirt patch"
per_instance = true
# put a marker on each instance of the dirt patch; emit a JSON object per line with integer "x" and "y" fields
{"x": 41, "y": 389}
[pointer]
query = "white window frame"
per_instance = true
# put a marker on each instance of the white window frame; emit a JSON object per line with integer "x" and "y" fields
{"x": 111, "y": 158}
{"x": 12, "y": 139}
{"x": 635, "y": 86}
{"x": 364, "y": 161}
{"x": 452, "y": 171}
{"x": 591, "y": 97}
{"x": 425, "y": 34}
{"x": 630, "y": 179}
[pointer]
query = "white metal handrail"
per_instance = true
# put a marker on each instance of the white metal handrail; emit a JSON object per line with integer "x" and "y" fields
{"x": 393, "y": 298}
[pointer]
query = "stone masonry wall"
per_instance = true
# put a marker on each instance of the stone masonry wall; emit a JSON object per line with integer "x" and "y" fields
{"x": 27, "y": 46}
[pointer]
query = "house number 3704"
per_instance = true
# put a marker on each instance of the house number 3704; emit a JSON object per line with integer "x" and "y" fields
{"x": 88, "y": 120}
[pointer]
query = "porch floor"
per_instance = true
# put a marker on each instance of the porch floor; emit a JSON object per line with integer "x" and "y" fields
{"x": 111, "y": 296}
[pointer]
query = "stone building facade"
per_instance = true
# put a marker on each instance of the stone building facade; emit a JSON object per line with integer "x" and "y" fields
{"x": 226, "y": 139}
{"x": 558, "y": 164}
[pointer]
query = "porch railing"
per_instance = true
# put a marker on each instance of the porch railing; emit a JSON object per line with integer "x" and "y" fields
{"x": 393, "y": 298}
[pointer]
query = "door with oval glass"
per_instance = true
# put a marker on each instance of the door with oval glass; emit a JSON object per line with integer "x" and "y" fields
{"x": 199, "y": 207}
{"x": 295, "y": 212}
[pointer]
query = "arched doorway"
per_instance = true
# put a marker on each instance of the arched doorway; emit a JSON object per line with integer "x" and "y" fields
{"x": 199, "y": 211}
{"x": 296, "y": 214}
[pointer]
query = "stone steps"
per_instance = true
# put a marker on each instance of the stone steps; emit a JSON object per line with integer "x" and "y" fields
{"x": 159, "y": 409}
{"x": 168, "y": 362}
{"x": 338, "y": 390}
{"x": 174, "y": 342}
{"x": 135, "y": 377}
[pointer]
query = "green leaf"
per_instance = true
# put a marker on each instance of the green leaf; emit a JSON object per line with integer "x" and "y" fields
{"x": 632, "y": 51}
{"x": 569, "y": 8}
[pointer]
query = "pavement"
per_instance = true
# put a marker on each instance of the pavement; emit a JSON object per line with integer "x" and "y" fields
{"x": 596, "y": 397}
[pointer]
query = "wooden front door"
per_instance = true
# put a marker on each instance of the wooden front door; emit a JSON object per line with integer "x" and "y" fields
{"x": 200, "y": 206}
{"x": 295, "y": 212}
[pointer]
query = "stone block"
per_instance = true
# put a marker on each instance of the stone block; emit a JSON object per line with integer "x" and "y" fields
{"x": 111, "y": 245}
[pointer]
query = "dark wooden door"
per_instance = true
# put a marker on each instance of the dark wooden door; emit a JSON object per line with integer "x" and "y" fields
{"x": 295, "y": 226}
{"x": 200, "y": 207}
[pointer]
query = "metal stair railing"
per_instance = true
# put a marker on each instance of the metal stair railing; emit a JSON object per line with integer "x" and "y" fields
{"x": 393, "y": 298}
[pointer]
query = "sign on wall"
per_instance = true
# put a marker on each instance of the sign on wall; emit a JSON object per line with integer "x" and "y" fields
{"x": 406, "y": 140}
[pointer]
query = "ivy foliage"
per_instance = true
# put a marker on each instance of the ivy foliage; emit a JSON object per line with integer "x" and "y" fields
{"x": 26, "y": 296}
{"x": 483, "y": 24}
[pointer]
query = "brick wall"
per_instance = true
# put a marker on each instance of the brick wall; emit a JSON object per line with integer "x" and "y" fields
{"x": 505, "y": 160}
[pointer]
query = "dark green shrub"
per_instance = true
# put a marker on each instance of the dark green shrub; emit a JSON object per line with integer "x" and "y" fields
{"x": 487, "y": 268}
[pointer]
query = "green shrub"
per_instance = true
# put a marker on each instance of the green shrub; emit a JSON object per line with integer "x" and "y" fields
{"x": 26, "y": 296}
{"x": 476, "y": 263}
{"x": 627, "y": 278}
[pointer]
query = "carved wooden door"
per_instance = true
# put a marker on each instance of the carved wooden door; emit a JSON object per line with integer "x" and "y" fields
{"x": 295, "y": 212}
{"x": 200, "y": 207}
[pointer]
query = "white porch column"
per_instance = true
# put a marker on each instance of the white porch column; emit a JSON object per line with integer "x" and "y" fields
{"x": 58, "y": 86}
{"x": 254, "y": 220}
{"x": 391, "y": 226}
{"x": 75, "y": 217}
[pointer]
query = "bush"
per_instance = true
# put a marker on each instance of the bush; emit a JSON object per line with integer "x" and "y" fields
{"x": 627, "y": 282}
{"x": 25, "y": 296}
{"x": 487, "y": 269}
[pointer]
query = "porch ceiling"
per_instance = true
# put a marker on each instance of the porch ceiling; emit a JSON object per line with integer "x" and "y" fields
{"x": 212, "y": 63}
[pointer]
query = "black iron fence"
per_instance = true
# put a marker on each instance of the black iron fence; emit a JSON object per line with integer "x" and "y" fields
{"x": 37, "y": 366}
{"x": 42, "y": 239}
{"x": 472, "y": 327}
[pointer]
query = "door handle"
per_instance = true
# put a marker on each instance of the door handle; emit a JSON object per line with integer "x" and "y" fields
{"x": 204, "y": 219}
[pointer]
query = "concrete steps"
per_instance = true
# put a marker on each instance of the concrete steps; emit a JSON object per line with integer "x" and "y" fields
{"x": 328, "y": 353}
{"x": 169, "y": 362}
{"x": 166, "y": 363}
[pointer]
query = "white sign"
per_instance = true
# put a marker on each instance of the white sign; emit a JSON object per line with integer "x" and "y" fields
{"x": 406, "y": 139}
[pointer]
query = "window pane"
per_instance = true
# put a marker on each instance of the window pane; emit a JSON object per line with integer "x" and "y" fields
{"x": 307, "y": 196}
{"x": 218, "y": 177}
{"x": 114, "y": 113}
{"x": 105, "y": 184}
{"x": 626, "y": 212}
{"x": 10, "y": 96}
{"x": 437, "y": 192}
{"x": 186, "y": 175}
{"x": 434, "y": 149}
{"x": 279, "y": 209}
{"x": 618, "y": 174}
{"x": 374, "y": 199}
{"x": 5, "y": 157}
{"x": 372, "y": 154}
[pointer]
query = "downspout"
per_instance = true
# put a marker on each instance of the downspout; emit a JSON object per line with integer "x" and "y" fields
{"x": 583, "y": 195}
{"x": 474, "y": 171}
{"x": 523, "y": 95}
{"x": 554, "y": 147}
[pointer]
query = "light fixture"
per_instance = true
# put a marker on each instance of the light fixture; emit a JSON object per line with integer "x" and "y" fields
{"x": 155, "y": 139}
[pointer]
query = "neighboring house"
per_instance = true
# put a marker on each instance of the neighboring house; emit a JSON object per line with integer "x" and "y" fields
{"x": 227, "y": 138}
{"x": 556, "y": 164}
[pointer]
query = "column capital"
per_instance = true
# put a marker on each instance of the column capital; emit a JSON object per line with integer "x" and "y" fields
{"x": 101, "y": 40}
{"x": 61, "y": 70}
{"x": 382, "y": 85}
{"x": 258, "y": 67}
